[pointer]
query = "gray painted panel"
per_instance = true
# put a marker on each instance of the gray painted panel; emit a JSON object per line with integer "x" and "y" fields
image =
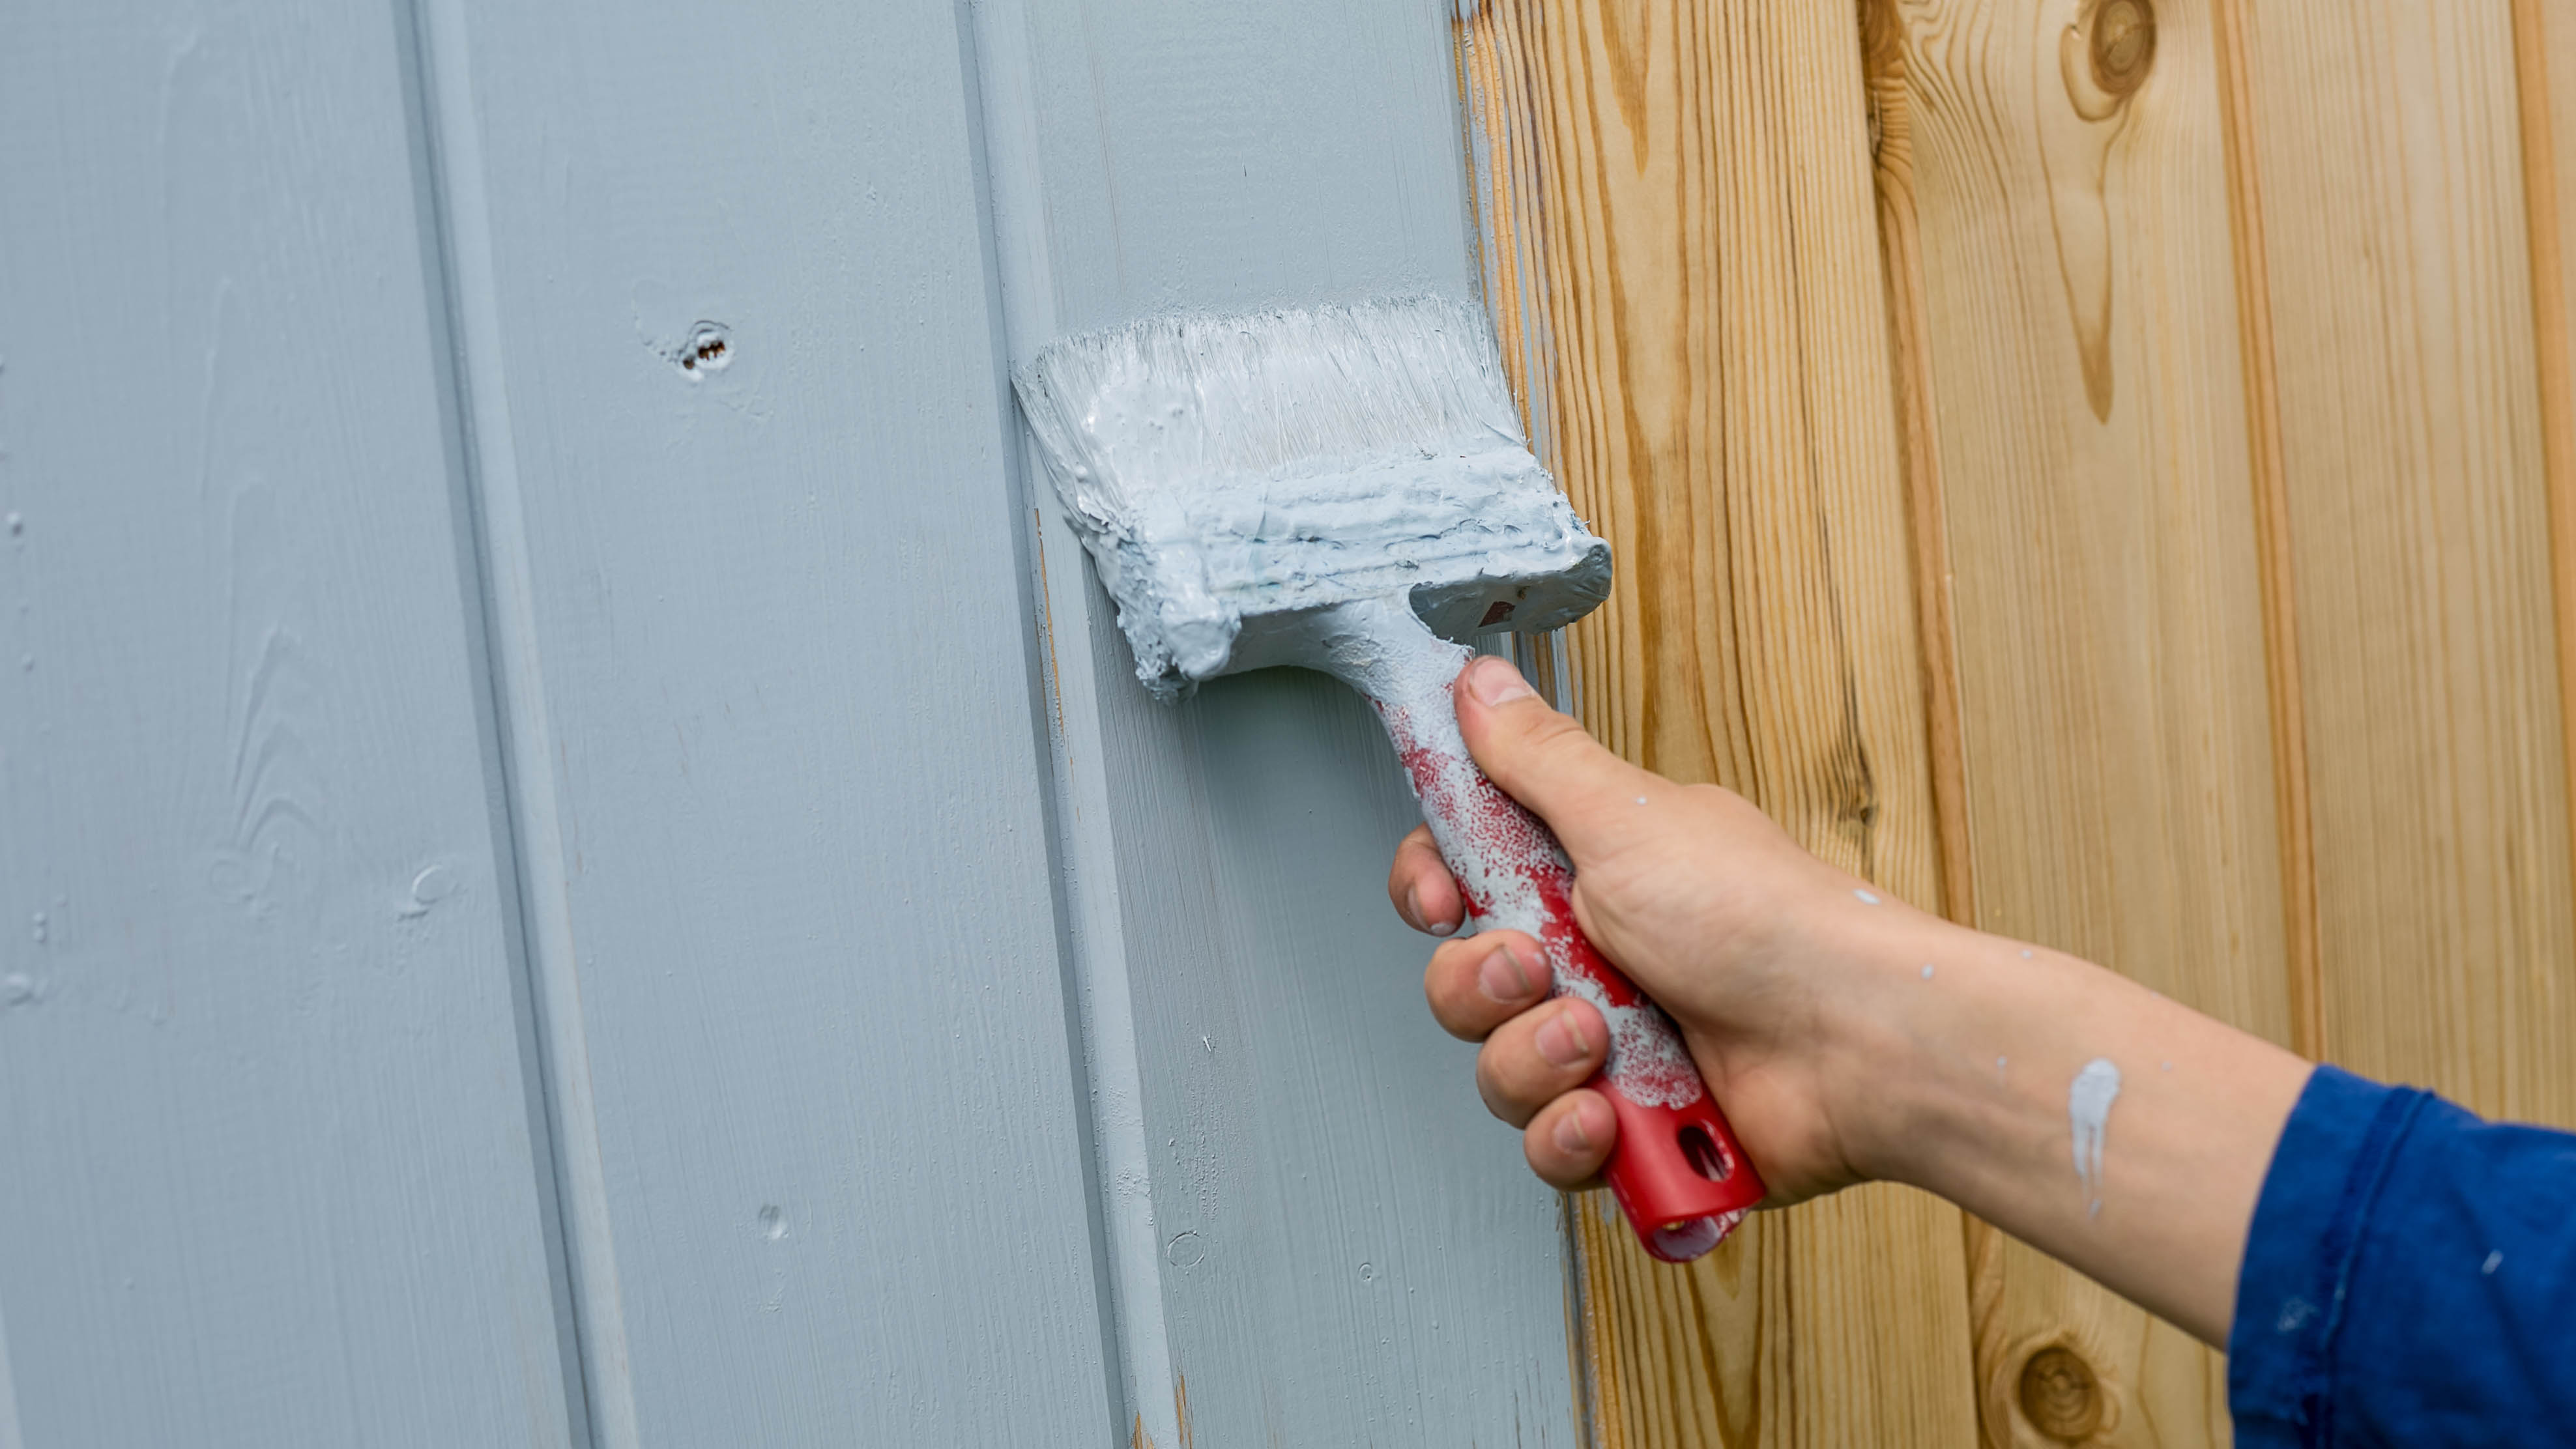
{"x": 772, "y": 606}
{"x": 266, "y": 1168}
{"x": 1335, "y": 1244}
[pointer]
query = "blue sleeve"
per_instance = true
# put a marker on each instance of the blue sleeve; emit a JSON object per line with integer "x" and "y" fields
{"x": 2410, "y": 1278}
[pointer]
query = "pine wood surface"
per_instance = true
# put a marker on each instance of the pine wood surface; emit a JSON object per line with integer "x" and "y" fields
{"x": 2389, "y": 142}
{"x": 1681, "y": 249}
{"x": 2058, "y": 181}
{"x": 2234, "y": 469}
{"x": 2544, "y": 39}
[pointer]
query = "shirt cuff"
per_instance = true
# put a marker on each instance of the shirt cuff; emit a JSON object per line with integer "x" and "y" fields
{"x": 2326, "y": 1176}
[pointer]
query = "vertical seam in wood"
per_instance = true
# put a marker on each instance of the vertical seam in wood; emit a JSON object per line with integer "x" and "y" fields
{"x": 2300, "y": 923}
{"x": 1919, "y": 456}
{"x": 2550, "y": 343}
{"x": 601, "y": 1393}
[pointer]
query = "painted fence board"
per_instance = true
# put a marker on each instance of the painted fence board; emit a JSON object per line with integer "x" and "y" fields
{"x": 267, "y": 1168}
{"x": 1316, "y": 1235}
{"x": 769, "y": 677}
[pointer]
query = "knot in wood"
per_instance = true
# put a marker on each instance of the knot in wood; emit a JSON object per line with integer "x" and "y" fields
{"x": 2121, "y": 40}
{"x": 2060, "y": 1395}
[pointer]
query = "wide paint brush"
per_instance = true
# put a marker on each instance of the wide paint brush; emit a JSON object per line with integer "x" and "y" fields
{"x": 1347, "y": 489}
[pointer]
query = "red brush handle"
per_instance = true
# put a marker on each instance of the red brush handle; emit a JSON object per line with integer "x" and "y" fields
{"x": 1678, "y": 1172}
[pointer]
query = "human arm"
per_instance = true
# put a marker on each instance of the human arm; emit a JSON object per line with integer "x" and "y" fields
{"x": 1801, "y": 993}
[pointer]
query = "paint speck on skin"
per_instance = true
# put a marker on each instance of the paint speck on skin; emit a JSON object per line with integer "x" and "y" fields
{"x": 2000, "y": 1064}
{"x": 2168, "y": 1066}
{"x": 1866, "y": 898}
{"x": 2025, "y": 953}
{"x": 2088, "y": 1113}
{"x": 1927, "y": 970}
{"x": 2494, "y": 1261}
{"x": 1641, "y": 799}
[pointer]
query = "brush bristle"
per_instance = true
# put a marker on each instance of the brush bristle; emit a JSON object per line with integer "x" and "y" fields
{"x": 1221, "y": 468}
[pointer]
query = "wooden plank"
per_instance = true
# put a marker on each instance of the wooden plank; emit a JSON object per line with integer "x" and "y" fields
{"x": 2544, "y": 47}
{"x": 270, "y": 1166}
{"x": 1679, "y": 225}
{"x": 2293, "y": 820}
{"x": 770, "y": 691}
{"x": 2064, "y": 189}
{"x": 2390, "y": 147}
{"x": 1316, "y": 1234}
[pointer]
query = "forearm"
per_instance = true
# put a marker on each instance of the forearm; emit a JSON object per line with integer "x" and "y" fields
{"x": 2114, "y": 1129}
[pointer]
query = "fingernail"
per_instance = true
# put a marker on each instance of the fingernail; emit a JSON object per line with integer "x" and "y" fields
{"x": 1503, "y": 977}
{"x": 1413, "y": 909}
{"x": 1561, "y": 1041}
{"x": 1571, "y": 1139}
{"x": 1495, "y": 681}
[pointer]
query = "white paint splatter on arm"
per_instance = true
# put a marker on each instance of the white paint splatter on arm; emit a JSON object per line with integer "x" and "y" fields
{"x": 2088, "y": 1112}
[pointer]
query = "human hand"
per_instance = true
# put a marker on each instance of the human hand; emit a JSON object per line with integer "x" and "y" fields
{"x": 1708, "y": 907}
{"x": 1846, "y": 1035}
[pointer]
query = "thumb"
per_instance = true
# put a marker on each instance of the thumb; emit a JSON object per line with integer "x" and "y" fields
{"x": 1542, "y": 758}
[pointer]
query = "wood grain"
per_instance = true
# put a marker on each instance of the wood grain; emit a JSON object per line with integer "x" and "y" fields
{"x": 2293, "y": 820}
{"x": 2059, "y": 179}
{"x": 2391, "y": 147}
{"x": 1679, "y": 237}
{"x": 272, "y": 1169}
{"x": 2544, "y": 46}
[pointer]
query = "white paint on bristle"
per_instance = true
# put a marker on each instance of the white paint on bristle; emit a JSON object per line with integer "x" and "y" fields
{"x": 2088, "y": 1113}
{"x": 1225, "y": 469}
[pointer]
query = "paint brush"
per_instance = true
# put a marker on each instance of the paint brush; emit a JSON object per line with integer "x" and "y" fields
{"x": 1347, "y": 489}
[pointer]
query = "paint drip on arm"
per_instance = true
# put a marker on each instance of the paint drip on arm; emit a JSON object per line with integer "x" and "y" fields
{"x": 2088, "y": 1112}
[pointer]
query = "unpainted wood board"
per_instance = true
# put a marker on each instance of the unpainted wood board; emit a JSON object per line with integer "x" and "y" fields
{"x": 1319, "y": 1235}
{"x": 2400, "y": 285}
{"x": 2544, "y": 43}
{"x": 2066, "y": 178}
{"x": 1692, "y": 247}
{"x": 773, "y": 613}
{"x": 269, "y": 1172}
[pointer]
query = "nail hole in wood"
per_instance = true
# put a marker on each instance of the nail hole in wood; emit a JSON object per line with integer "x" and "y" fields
{"x": 709, "y": 349}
